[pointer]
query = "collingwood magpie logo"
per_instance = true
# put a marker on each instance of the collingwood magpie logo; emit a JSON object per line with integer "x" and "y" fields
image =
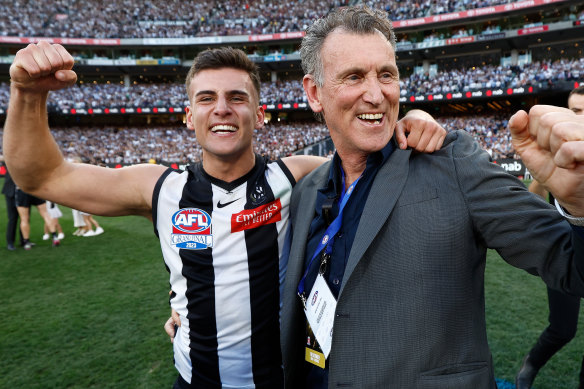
{"x": 258, "y": 195}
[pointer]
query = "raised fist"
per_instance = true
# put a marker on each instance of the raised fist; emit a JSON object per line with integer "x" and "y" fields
{"x": 42, "y": 67}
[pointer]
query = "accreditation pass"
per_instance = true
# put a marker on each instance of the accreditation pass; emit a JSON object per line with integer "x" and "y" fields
{"x": 320, "y": 311}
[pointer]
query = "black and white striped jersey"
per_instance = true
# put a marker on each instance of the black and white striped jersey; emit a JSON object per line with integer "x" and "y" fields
{"x": 222, "y": 243}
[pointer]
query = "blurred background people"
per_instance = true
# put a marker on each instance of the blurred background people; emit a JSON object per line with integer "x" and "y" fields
{"x": 23, "y": 203}
{"x": 90, "y": 222}
{"x": 9, "y": 192}
{"x": 78, "y": 223}
{"x": 55, "y": 213}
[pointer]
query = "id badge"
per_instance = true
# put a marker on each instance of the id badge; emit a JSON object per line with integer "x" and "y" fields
{"x": 320, "y": 312}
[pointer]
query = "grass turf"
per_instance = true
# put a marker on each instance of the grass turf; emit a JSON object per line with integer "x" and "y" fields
{"x": 89, "y": 314}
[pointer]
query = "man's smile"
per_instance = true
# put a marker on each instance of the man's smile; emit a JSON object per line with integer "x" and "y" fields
{"x": 374, "y": 118}
{"x": 223, "y": 128}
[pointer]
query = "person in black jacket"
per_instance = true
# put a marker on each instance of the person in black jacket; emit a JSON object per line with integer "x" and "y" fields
{"x": 9, "y": 191}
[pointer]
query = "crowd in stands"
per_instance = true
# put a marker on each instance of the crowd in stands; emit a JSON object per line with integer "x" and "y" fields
{"x": 113, "y": 145}
{"x": 131, "y": 145}
{"x": 539, "y": 73}
{"x": 404, "y": 10}
{"x": 91, "y": 95}
{"x": 489, "y": 130}
{"x": 178, "y": 19}
{"x": 282, "y": 91}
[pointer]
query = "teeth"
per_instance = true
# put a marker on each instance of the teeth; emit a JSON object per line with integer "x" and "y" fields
{"x": 223, "y": 127}
{"x": 370, "y": 116}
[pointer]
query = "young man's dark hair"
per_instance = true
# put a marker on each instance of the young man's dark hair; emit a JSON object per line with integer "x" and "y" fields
{"x": 224, "y": 57}
{"x": 577, "y": 91}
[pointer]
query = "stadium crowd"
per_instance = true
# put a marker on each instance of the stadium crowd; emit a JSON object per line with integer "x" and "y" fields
{"x": 490, "y": 131}
{"x": 131, "y": 145}
{"x": 177, "y": 19}
{"x": 541, "y": 74}
{"x": 282, "y": 91}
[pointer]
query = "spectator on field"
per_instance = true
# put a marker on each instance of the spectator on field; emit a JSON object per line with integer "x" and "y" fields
{"x": 24, "y": 201}
{"x": 90, "y": 222}
{"x": 78, "y": 223}
{"x": 55, "y": 214}
{"x": 9, "y": 192}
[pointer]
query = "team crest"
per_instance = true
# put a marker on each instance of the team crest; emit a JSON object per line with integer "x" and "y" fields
{"x": 258, "y": 195}
{"x": 191, "y": 229}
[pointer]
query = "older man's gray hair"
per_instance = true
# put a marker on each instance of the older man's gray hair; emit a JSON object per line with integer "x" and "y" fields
{"x": 358, "y": 20}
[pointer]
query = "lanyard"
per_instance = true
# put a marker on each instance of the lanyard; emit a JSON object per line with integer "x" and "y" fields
{"x": 326, "y": 243}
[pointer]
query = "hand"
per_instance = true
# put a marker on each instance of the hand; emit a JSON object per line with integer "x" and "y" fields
{"x": 42, "y": 67}
{"x": 173, "y": 320}
{"x": 550, "y": 141}
{"x": 425, "y": 134}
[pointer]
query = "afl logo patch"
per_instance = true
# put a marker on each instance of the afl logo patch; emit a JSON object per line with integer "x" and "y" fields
{"x": 191, "y": 229}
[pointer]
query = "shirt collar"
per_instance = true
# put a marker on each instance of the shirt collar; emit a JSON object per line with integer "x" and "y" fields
{"x": 374, "y": 161}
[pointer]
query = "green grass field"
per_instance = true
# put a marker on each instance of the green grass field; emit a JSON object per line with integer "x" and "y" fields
{"x": 89, "y": 314}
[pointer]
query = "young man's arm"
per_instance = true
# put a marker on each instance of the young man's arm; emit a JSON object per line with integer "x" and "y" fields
{"x": 34, "y": 159}
{"x": 425, "y": 135}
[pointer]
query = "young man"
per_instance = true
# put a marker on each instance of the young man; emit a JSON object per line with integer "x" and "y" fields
{"x": 221, "y": 223}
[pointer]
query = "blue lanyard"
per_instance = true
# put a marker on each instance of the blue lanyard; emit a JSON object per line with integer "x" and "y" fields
{"x": 326, "y": 243}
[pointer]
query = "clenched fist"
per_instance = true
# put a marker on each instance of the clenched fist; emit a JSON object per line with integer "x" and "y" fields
{"x": 550, "y": 141}
{"x": 42, "y": 67}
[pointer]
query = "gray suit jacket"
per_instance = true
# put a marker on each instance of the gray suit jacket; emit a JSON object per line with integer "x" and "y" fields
{"x": 410, "y": 311}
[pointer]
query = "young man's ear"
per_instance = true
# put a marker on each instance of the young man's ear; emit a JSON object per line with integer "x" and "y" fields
{"x": 311, "y": 91}
{"x": 189, "y": 118}
{"x": 261, "y": 115}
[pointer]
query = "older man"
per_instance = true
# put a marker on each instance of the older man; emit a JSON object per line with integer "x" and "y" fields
{"x": 385, "y": 283}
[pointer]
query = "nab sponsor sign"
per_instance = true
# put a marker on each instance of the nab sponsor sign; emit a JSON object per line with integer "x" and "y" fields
{"x": 191, "y": 229}
{"x": 512, "y": 166}
{"x": 252, "y": 218}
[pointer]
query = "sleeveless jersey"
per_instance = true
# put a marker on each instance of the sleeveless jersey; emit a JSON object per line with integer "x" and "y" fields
{"x": 222, "y": 244}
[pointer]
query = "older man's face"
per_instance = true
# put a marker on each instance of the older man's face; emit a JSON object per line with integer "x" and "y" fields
{"x": 360, "y": 94}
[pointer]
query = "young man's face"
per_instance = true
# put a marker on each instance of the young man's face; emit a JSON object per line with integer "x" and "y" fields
{"x": 224, "y": 111}
{"x": 576, "y": 103}
{"x": 360, "y": 94}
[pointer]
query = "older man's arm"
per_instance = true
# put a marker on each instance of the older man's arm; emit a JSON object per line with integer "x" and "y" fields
{"x": 550, "y": 141}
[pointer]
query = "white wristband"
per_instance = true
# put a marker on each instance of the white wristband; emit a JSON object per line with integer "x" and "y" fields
{"x": 577, "y": 221}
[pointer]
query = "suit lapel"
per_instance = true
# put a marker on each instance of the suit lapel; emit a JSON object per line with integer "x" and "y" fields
{"x": 385, "y": 191}
{"x": 301, "y": 223}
